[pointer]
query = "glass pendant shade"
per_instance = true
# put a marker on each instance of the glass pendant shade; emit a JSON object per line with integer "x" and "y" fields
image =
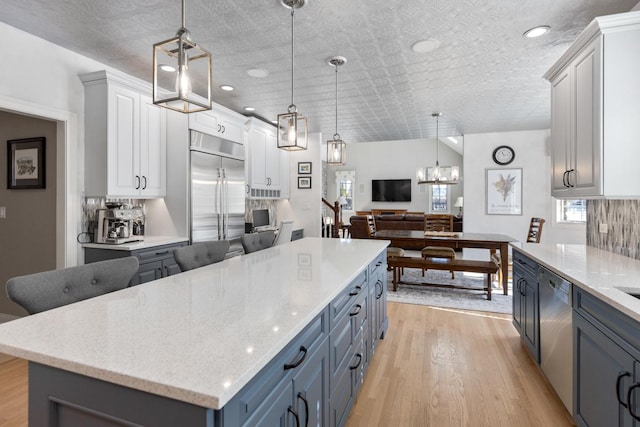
{"x": 181, "y": 73}
{"x": 292, "y": 131}
{"x": 336, "y": 151}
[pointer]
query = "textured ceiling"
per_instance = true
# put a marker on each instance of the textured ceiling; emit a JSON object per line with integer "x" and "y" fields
{"x": 484, "y": 77}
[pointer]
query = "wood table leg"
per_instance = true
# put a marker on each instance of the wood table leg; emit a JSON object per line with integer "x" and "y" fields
{"x": 489, "y": 286}
{"x": 395, "y": 278}
{"x": 504, "y": 261}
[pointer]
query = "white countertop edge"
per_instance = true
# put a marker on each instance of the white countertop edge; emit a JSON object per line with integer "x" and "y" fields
{"x": 149, "y": 242}
{"x": 195, "y": 397}
{"x": 606, "y": 290}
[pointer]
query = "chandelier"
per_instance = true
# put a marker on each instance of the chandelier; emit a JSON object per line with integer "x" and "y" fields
{"x": 437, "y": 175}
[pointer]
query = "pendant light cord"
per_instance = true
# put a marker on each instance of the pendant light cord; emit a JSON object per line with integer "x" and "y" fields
{"x": 183, "y": 14}
{"x": 437, "y": 139}
{"x": 336, "y": 99}
{"x": 292, "y": 43}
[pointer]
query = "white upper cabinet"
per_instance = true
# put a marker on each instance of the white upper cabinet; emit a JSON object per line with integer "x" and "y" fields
{"x": 125, "y": 139}
{"x": 268, "y": 166}
{"x": 219, "y": 121}
{"x": 595, "y": 106}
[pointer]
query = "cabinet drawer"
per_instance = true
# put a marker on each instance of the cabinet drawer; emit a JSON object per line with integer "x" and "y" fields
{"x": 158, "y": 252}
{"x": 342, "y": 302}
{"x": 249, "y": 399}
{"x": 524, "y": 262}
{"x": 380, "y": 263}
{"x": 618, "y": 326}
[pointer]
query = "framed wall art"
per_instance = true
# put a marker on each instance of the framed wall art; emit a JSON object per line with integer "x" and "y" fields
{"x": 304, "y": 168}
{"x": 26, "y": 163}
{"x": 504, "y": 191}
{"x": 304, "y": 182}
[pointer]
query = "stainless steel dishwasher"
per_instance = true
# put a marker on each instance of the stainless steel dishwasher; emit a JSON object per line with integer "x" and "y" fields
{"x": 556, "y": 334}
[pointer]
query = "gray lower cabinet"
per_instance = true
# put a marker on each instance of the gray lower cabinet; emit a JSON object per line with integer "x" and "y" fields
{"x": 378, "y": 299}
{"x": 155, "y": 263}
{"x": 526, "y": 308}
{"x": 606, "y": 364}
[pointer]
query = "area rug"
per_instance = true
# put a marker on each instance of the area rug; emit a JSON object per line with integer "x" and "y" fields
{"x": 449, "y": 298}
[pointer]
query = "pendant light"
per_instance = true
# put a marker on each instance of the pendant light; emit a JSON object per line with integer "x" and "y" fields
{"x": 436, "y": 177}
{"x": 292, "y": 126}
{"x": 336, "y": 147}
{"x": 181, "y": 73}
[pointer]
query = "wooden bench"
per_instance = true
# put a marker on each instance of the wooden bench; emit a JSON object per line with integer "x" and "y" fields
{"x": 397, "y": 263}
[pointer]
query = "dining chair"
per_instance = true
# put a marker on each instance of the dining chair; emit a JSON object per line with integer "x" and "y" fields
{"x": 535, "y": 230}
{"x": 284, "y": 235}
{"x": 533, "y": 236}
{"x": 51, "y": 289}
{"x": 438, "y": 222}
{"x": 257, "y": 241}
{"x": 200, "y": 254}
{"x": 371, "y": 225}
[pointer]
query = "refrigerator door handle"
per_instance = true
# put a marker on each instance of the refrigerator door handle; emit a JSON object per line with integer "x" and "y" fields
{"x": 216, "y": 198}
{"x": 223, "y": 204}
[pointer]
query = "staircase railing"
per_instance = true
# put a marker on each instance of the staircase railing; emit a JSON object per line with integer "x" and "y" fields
{"x": 331, "y": 229}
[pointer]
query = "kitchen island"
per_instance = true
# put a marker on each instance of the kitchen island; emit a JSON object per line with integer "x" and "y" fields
{"x": 219, "y": 345}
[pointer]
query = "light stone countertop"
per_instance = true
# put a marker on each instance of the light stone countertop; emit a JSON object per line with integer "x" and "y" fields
{"x": 201, "y": 335}
{"x": 149, "y": 242}
{"x": 604, "y": 274}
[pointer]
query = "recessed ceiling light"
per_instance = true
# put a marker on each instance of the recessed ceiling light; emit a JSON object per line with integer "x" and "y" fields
{"x": 258, "y": 73}
{"x": 536, "y": 31}
{"x": 249, "y": 108}
{"x": 228, "y": 88}
{"x": 425, "y": 46}
{"x": 167, "y": 68}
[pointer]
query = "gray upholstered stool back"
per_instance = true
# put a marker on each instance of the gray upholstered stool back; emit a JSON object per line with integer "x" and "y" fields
{"x": 200, "y": 254}
{"x": 257, "y": 241}
{"x": 50, "y": 289}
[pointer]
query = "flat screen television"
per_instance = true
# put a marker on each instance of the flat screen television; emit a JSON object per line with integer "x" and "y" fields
{"x": 261, "y": 218}
{"x": 391, "y": 190}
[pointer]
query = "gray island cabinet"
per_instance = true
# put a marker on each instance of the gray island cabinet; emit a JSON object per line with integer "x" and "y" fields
{"x": 281, "y": 336}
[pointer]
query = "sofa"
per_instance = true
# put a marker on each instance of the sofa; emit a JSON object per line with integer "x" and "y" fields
{"x": 359, "y": 227}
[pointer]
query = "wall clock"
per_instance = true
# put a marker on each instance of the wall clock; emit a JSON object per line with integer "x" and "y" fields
{"x": 503, "y": 155}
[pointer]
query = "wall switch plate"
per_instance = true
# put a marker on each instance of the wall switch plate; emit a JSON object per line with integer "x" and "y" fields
{"x": 3, "y": 212}
{"x": 603, "y": 228}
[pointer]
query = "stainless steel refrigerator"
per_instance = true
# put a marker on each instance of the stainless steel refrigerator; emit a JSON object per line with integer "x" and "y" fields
{"x": 217, "y": 190}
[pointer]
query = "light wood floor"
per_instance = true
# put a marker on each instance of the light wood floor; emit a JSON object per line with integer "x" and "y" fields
{"x": 13, "y": 393}
{"x": 436, "y": 367}
{"x": 442, "y": 367}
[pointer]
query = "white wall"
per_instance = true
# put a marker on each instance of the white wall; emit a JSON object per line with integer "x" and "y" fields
{"x": 394, "y": 160}
{"x": 42, "y": 81}
{"x": 532, "y": 155}
{"x": 305, "y": 205}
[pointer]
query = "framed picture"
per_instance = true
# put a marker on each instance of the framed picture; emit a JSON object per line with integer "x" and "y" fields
{"x": 25, "y": 163}
{"x": 504, "y": 191}
{"x": 304, "y": 182}
{"x": 304, "y": 168}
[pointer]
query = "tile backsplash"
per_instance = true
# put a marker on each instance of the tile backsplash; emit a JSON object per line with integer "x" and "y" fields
{"x": 623, "y": 226}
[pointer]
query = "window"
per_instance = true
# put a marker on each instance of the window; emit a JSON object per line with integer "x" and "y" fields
{"x": 439, "y": 198}
{"x": 345, "y": 184}
{"x": 571, "y": 211}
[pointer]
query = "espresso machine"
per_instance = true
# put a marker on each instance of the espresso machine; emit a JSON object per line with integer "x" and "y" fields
{"x": 117, "y": 226}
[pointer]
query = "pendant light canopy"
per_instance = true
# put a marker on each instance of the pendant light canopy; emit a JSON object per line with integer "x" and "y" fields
{"x": 336, "y": 147}
{"x": 292, "y": 126}
{"x": 437, "y": 175}
{"x": 181, "y": 73}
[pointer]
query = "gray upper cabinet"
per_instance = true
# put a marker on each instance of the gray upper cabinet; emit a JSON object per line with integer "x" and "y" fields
{"x": 595, "y": 105}
{"x": 125, "y": 138}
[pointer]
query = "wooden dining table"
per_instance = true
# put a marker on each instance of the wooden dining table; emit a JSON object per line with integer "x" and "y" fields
{"x": 416, "y": 239}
